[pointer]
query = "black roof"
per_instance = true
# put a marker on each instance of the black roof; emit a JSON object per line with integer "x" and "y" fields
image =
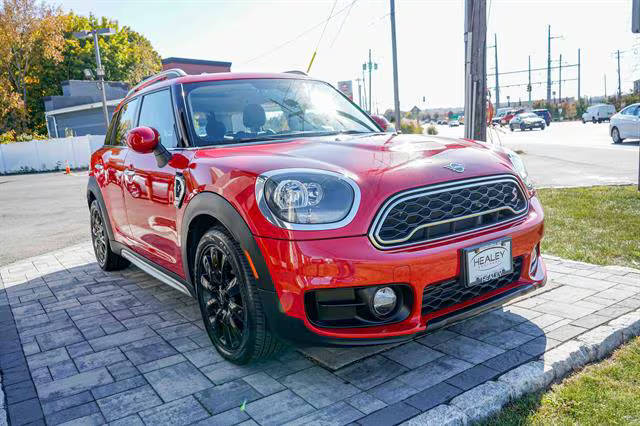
{"x": 195, "y": 61}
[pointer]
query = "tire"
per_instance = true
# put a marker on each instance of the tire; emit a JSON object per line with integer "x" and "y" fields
{"x": 510, "y": 127}
{"x": 229, "y": 303}
{"x": 593, "y": 120}
{"x": 523, "y": 127}
{"x": 615, "y": 135}
{"x": 106, "y": 258}
{"x": 583, "y": 121}
{"x": 542, "y": 127}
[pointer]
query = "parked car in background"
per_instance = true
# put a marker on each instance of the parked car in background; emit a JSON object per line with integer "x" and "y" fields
{"x": 625, "y": 124}
{"x": 506, "y": 119}
{"x": 527, "y": 121}
{"x": 544, "y": 113}
{"x": 454, "y": 123}
{"x": 599, "y": 113}
{"x": 287, "y": 213}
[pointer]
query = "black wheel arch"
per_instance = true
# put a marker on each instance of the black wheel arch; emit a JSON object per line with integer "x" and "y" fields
{"x": 94, "y": 193}
{"x": 208, "y": 209}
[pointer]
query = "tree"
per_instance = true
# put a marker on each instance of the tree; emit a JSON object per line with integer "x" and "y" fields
{"x": 126, "y": 56}
{"x": 38, "y": 52}
{"x": 30, "y": 33}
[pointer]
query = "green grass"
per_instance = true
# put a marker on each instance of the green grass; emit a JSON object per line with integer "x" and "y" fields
{"x": 598, "y": 225}
{"x": 607, "y": 393}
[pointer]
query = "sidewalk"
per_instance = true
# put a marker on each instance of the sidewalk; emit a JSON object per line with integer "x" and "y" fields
{"x": 78, "y": 344}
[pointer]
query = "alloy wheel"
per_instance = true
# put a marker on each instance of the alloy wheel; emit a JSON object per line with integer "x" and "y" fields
{"x": 616, "y": 135}
{"x": 99, "y": 237}
{"x": 223, "y": 304}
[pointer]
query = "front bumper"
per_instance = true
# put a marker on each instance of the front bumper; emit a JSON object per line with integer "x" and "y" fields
{"x": 297, "y": 267}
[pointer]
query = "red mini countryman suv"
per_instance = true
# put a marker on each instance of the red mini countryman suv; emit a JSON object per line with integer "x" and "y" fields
{"x": 289, "y": 214}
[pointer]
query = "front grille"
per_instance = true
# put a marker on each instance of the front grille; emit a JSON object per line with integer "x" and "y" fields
{"x": 449, "y": 293}
{"x": 445, "y": 210}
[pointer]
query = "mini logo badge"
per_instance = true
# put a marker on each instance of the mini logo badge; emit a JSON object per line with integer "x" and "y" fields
{"x": 456, "y": 167}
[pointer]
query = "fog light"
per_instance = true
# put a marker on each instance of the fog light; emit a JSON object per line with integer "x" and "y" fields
{"x": 384, "y": 301}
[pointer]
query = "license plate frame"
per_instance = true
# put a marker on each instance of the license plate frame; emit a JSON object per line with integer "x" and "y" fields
{"x": 474, "y": 273}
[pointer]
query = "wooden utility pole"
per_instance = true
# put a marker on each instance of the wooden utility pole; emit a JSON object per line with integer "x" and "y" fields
{"x": 394, "y": 50}
{"x": 475, "y": 40}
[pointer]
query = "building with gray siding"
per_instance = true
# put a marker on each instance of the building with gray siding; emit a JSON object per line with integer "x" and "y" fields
{"x": 78, "y": 111}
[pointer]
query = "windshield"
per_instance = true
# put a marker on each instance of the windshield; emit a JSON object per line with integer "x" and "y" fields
{"x": 249, "y": 110}
{"x": 528, "y": 115}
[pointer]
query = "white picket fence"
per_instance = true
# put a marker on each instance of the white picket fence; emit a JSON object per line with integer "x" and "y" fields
{"x": 49, "y": 154}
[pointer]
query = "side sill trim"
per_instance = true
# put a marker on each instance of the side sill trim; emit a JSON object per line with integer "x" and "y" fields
{"x": 131, "y": 257}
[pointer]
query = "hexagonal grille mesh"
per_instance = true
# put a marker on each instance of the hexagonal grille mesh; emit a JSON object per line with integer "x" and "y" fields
{"x": 449, "y": 293}
{"x": 435, "y": 214}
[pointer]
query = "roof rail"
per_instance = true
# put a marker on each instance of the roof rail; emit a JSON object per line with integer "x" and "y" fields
{"x": 295, "y": 72}
{"x": 161, "y": 76}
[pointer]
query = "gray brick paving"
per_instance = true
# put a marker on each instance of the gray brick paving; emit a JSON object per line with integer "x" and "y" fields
{"x": 81, "y": 346}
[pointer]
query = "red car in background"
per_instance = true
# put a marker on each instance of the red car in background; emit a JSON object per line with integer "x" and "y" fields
{"x": 290, "y": 215}
{"x": 509, "y": 115}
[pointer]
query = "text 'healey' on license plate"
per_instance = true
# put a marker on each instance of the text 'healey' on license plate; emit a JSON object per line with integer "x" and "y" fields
{"x": 487, "y": 261}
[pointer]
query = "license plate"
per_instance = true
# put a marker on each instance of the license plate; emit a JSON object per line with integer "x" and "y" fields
{"x": 487, "y": 261}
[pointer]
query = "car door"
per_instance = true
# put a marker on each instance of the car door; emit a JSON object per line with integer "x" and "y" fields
{"x": 629, "y": 122}
{"x": 113, "y": 167}
{"x": 149, "y": 187}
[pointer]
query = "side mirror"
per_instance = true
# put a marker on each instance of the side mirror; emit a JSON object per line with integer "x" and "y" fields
{"x": 143, "y": 140}
{"x": 383, "y": 123}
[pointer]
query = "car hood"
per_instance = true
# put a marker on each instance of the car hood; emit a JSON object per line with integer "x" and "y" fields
{"x": 385, "y": 161}
{"x": 381, "y": 164}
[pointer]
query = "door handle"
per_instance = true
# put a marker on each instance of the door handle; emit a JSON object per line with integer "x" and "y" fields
{"x": 129, "y": 175}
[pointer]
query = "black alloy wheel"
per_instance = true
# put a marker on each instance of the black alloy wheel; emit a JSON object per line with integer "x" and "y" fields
{"x": 107, "y": 259}
{"x": 229, "y": 302}
{"x": 223, "y": 305}
{"x": 98, "y": 236}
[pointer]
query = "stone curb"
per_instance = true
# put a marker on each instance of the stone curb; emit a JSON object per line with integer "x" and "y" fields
{"x": 488, "y": 398}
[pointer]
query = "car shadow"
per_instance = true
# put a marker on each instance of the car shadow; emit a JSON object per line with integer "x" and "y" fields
{"x": 53, "y": 323}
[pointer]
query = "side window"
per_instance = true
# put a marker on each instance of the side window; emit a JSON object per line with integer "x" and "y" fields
{"x": 157, "y": 112}
{"x": 108, "y": 139}
{"x": 125, "y": 122}
{"x": 630, "y": 110}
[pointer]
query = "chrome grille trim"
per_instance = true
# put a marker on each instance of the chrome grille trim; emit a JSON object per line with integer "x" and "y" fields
{"x": 388, "y": 206}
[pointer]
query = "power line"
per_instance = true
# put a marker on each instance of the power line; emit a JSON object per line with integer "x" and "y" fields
{"x": 299, "y": 36}
{"x": 327, "y": 23}
{"x": 343, "y": 21}
{"x": 315, "y": 52}
{"x": 533, "y": 69}
{"x": 537, "y": 82}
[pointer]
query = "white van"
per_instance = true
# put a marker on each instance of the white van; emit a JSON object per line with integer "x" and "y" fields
{"x": 598, "y": 113}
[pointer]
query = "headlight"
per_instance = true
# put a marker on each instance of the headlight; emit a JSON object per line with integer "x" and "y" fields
{"x": 519, "y": 167}
{"x": 307, "y": 199}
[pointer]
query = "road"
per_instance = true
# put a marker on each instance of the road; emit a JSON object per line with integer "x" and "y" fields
{"x": 568, "y": 153}
{"x": 44, "y": 212}
{"x": 40, "y": 213}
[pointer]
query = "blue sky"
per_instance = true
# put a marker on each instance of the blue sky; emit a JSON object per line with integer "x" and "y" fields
{"x": 269, "y": 35}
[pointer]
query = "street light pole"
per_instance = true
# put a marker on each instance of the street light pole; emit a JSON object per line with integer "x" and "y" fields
{"x": 394, "y": 51}
{"x": 100, "y": 73}
{"x": 370, "y": 66}
{"x": 99, "y": 70}
{"x": 549, "y": 38}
